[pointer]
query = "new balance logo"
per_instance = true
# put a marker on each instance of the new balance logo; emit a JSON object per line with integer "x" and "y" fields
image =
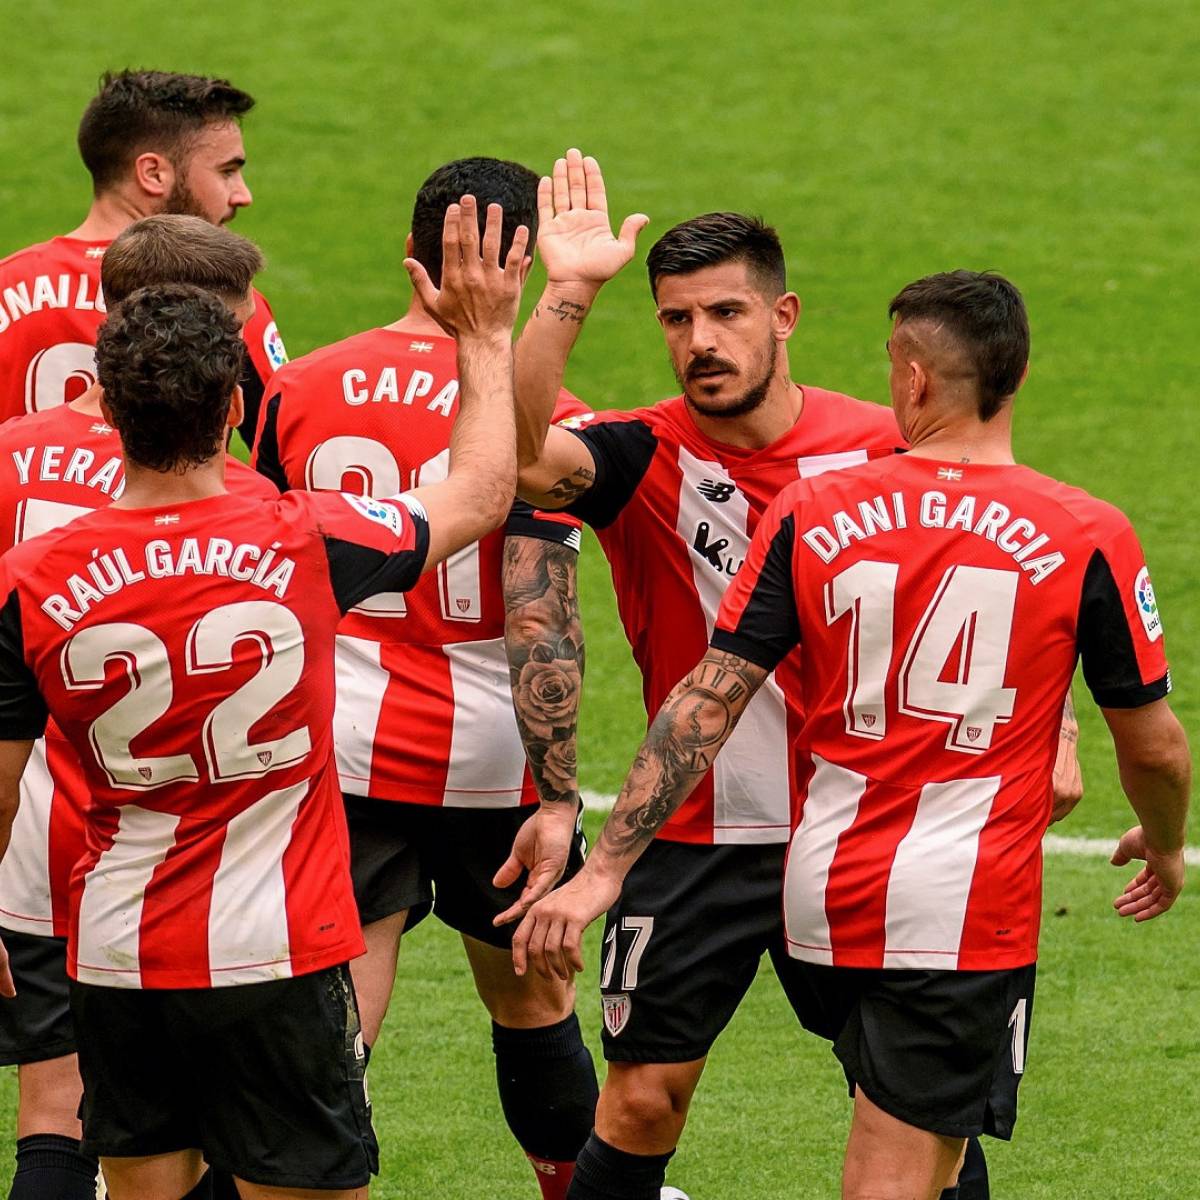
{"x": 718, "y": 491}
{"x": 951, "y": 473}
{"x": 714, "y": 551}
{"x": 167, "y": 519}
{"x": 421, "y": 347}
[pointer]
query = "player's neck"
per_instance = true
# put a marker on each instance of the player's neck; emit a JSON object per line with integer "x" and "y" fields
{"x": 155, "y": 489}
{"x": 779, "y": 411}
{"x": 110, "y": 214}
{"x": 417, "y": 322}
{"x": 89, "y": 402}
{"x": 964, "y": 439}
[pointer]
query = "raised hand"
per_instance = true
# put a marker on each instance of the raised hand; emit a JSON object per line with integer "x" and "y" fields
{"x": 550, "y": 938}
{"x": 479, "y": 294}
{"x": 1156, "y": 886}
{"x": 575, "y": 239}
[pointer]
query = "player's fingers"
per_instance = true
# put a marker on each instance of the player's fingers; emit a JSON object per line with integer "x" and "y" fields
{"x": 8, "y": 989}
{"x": 491, "y": 236}
{"x": 421, "y": 282}
{"x": 509, "y": 872}
{"x": 545, "y": 201}
{"x": 560, "y": 190}
{"x": 573, "y": 947}
{"x": 536, "y": 944}
{"x": 594, "y": 183}
{"x": 468, "y": 230}
{"x": 554, "y": 951}
{"x": 520, "y": 945}
{"x": 541, "y": 880}
{"x": 452, "y": 243}
{"x": 576, "y": 183}
{"x": 517, "y": 251}
{"x": 630, "y": 228}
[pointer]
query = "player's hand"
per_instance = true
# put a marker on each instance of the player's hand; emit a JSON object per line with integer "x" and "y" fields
{"x": 480, "y": 294}
{"x": 1068, "y": 778}
{"x": 541, "y": 847}
{"x": 550, "y": 938}
{"x": 1156, "y": 886}
{"x": 8, "y": 989}
{"x": 575, "y": 239}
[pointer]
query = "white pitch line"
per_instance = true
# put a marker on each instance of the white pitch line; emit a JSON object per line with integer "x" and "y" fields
{"x": 1053, "y": 843}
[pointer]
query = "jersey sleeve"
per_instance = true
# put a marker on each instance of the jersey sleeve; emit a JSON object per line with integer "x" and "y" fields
{"x": 264, "y": 356}
{"x": 759, "y": 619}
{"x": 560, "y": 527}
{"x": 23, "y": 712}
{"x": 265, "y": 457}
{"x": 622, "y": 452}
{"x": 1119, "y": 633}
{"x": 371, "y": 545}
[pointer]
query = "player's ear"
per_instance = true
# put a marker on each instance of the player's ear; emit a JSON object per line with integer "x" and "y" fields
{"x": 154, "y": 174}
{"x": 918, "y": 384}
{"x": 237, "y": 408}
{"x": 785, "y": 313}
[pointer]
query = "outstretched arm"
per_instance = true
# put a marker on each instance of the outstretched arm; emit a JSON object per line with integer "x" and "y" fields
{"x": 477, "y": 304}
{"x": 544, "y": 639}
{"x": 580, "y": 254}
{"x": 693, "y": 724}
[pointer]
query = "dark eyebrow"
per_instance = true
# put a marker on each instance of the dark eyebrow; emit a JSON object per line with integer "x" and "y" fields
{"x": 237, "y": 161}
{"x": 738, "y": 304}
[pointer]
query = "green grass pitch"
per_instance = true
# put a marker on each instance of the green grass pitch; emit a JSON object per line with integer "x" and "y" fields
{"x": 1053, "y": 142}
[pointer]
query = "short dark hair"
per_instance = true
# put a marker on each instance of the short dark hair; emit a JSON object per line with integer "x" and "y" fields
{"x": 490, "y": 181}
{"x": 168, "y": 358}
{"x": 717, "y": 238}
{"x": 984, "y": 312}
{"x": 172, "y": 248}
{"x": 137, "y": 111}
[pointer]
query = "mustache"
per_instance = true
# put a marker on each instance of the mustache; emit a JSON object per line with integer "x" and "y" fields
{"x": 709, "y": 362}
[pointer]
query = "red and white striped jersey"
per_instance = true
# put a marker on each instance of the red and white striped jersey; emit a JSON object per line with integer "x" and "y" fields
{"x": 424, "y": 706}
{"x": 51, "y": 308}
{"x": 674, "y": 512}
{"x": 941, "y": 609}
{"x": 55, "y": 466}
{"x": 186, "y": 653}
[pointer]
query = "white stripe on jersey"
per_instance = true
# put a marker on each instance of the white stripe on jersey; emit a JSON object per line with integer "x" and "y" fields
{"x": 487, "y": 760}
{"x": 114, "y": 890}
{"x": 247, "y": 924}
{"x": 361, "y": 684}
{"x": 751, "y": 795}
{"x": 931, "y": 875}
{"x": 25, "y": 873}
{"x": 830, "y": 808}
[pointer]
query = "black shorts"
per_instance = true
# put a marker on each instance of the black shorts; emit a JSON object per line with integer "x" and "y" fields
{"x": 36, "y": 1024}
{"x": 941, "y": 1050}
{"x": 265, "y": 1078}
{"x": 424, "y": 857}
{"x": 682, "y": 945}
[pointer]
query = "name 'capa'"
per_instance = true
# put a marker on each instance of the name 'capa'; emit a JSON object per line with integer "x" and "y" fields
{"x": 1016, "y": 536}
{"x": 108, "y": 572}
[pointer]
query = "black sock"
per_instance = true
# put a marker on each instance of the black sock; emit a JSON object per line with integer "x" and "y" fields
{"x": 973, "y": 1178}
{"x": 603, "y": 1172}
{"x": 52, "y": 1167}
{"x": 204, "y": 1189}
{"x": 547, "y": 1086}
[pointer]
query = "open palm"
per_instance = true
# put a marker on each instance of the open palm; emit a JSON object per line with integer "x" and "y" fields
{"x": 575, "y": 239}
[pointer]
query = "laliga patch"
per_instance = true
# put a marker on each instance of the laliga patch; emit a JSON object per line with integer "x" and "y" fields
{"x": 1143, "y": 593}
{"x": 576, "y": 422}
{"x": 616, "y": 1012}
{"x": 387, "y": 515}
{"x": 273, "y": 347}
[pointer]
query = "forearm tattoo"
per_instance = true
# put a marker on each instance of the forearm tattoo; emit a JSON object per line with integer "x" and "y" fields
{"x": 564, "y": 310}
{"x": 691, "y": 727}
{"x": 1070, "y": 725}
{"x": 571, "y": 487}
{"x": 544, "y": 638}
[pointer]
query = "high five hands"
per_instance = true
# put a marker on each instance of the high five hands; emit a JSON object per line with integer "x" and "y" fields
{"x": 575, "y": 238}
{"x": 479, "y": 294}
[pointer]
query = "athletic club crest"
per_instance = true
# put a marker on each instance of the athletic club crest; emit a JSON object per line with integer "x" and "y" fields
{"x": 616, "y": 1012}
{"x": 463, "y": 603}
{"x": 973, "y": 732}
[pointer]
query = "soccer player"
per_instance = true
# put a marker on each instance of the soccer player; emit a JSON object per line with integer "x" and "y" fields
{"x": 54, "y": 466}
{"x": 430, "y": 759}
{"x": 942, "y": 599}
{"x": 182, "y": 637}
{"x": 153, "y": 142}
{"x": 674, "y": 492}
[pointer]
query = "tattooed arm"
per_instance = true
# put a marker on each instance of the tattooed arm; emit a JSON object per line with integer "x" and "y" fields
{"x": 1068, "y": 779}
{"x": 544, "y": 639}
{"x": 693, "y": 724}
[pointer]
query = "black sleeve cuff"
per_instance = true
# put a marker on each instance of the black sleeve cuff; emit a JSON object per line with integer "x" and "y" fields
{"x": 1133, "y": 697}
{"x": 744, "y": 647}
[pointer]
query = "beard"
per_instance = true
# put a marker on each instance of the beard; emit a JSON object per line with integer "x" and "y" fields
{"x": 747, "y": 402}
{"x": 182, "y": 201}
